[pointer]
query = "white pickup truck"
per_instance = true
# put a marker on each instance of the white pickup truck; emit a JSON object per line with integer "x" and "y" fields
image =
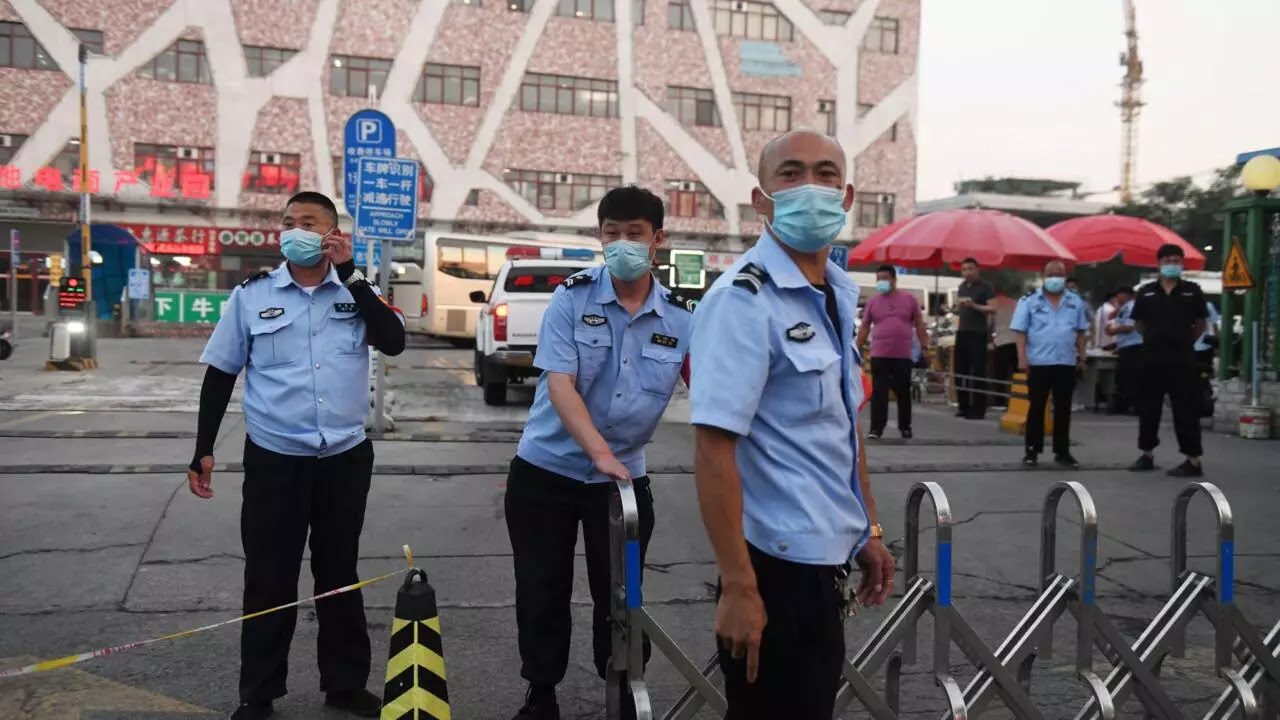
{"x": 507, "y": 329}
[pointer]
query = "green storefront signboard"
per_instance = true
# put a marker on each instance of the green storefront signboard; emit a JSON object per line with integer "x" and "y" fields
{"x": 190, "y": 306}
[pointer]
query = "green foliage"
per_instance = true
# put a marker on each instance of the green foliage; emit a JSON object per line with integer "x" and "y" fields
{"x": 1192, "y": 211}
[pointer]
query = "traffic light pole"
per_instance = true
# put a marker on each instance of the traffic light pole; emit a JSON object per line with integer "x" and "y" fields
{"x": 90, "y": 345}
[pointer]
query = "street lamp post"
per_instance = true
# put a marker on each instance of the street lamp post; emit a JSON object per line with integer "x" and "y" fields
{"x": 1261, "y": 176}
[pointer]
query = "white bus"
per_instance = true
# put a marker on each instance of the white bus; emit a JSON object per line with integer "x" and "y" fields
{"x": 435, "y": 296}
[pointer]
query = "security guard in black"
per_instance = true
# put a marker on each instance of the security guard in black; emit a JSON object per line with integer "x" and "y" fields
{"x": 1170, "y": 314}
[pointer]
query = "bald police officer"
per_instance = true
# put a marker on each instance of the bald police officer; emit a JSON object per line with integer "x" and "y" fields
{"x": 302, "y": 333}
{"x": 1052, "y": 327}
{"x": 780, "y": 466}
{"x": 611, "y": 347}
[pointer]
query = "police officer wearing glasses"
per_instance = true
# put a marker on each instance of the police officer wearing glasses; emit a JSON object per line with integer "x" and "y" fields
{"x": 302, "y": 334}
{"x": 779, "y": 462}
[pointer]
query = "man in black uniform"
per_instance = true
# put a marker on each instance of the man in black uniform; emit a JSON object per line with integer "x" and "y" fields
{"x": 974, "y": 306}
{"x": 1170, "y": 314}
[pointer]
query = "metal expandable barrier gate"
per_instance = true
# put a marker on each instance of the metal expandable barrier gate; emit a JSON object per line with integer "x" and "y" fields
{"x": 1252, "y": 690}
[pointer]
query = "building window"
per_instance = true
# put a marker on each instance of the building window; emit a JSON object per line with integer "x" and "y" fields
{"x": 763, "y": 112}
{"x": 680, "y": 15}
{"x": 874, "y": 209}
{"x": 569, "y": 95}
{"x": 589, "y": 9}
{"x": 276, "y": 173}
{"x": 693, "y": 106}
{"x": 560, "y": 191}
{"x": 9, "y": 144}
{"x": 750, "y": 20}
{"x": 748, "y": 213}
{"x": 67, "y": 162}
{"x": 691, "y": 199}
{"x": 473, "y": 198}
{"x": 352, "y": 76}
{"x": 19, "y": 49}
{"x": 834, "y": 17}
{"x": 827, "y": 116}
{"x": 882, "y": 36}
{"x": 92, "y": 40}
{"x": 183, "y": 61}
{"x": 448, "y": 85}
{"x": 179, "y": 165}
{"x": 262, "y": 61}
{"x": 520, "y": 5}
{"x": 471, "y": 3}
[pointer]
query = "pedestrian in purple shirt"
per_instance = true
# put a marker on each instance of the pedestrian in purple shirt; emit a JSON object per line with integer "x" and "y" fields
{"x": 894, "y": 316}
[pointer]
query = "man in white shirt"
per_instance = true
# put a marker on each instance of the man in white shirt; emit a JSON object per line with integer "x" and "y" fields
{"x": 1102, "y": 339}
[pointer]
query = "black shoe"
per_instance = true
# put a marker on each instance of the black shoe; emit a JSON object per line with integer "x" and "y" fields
{"x": 539, "y": 704}
{"x": 1065, "y": 460}
{"x": 253, "y": 711}
{"x": 962, "y": 413}
{"x": 1187, "y": 470}
{"x": 906, "y": 434}
{"x": 360, "y": 703}
{"x": 1031, "y": 459}
{"x": 874, "y": 435}
{"x": 1144, "y": 463}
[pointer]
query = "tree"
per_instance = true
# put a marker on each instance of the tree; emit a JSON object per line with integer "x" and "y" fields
{"x": 1193, "y": 212}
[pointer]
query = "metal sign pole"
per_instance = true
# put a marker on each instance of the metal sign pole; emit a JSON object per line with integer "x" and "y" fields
{"x": 380, "y": 396}
{"x": 89, "y": 345}
{"x": 13, "y": 284}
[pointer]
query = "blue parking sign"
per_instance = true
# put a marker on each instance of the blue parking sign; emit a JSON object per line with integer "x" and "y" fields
{"x": 360, "y": 252}
{"x": 387, "y": 208}
{"x": 368, "y": 133}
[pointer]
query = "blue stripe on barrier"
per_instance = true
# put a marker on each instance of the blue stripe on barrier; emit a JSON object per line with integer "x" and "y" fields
{"x": 944, "y": 574}
{"x": 633, "y": 574}
{"x": 1228, "y": 579}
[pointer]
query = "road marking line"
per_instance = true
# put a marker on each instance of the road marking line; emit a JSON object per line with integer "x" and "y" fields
{"x": 29, "y": 418}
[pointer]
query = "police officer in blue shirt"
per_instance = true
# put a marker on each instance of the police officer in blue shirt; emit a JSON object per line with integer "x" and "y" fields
{"x": 611, "y": 347}
{"x": 780, "y": 467}
{"x": 1052, "y": 326}
{"x": 1128, "y": 354}
{"x": 302, "y": 333}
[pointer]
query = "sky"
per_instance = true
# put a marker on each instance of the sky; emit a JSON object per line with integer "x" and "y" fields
{"x": 1027, "y": 88}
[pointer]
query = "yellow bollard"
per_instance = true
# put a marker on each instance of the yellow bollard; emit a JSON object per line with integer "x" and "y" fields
{"x": 416, "y": 687}
{"x": 1014, "y": 419}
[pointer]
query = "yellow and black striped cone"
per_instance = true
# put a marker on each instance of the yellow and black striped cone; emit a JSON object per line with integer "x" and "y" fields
{"x": 416, "y": 688}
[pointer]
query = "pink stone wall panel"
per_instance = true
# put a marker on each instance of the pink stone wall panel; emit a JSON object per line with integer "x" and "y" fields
{"x": 166, "y": 113}
{"x": 817, "y": 83}
{"x": 283, "y": 126}
{"x": 372, "y": 28}
{"x": 121, "y": 21}
{"x": 880, "y": 72}
{"x": 657, "y": 162}
{"x": 273, "y": 23}
{"x": 337, "y": 110}
{"x": 849, "y": 6}
{"x": 492, "y": 208}
{"x": 560, "y": 143}
{"x": 705, "y": 226}
{"x": 27, "y": 97}
{"x": 453, "y": 126}
{"x": 668, "y": 57}
{"x": 8, "y": 13}
{"x": 581, "y": 48}
{"x": 888, "y": 166}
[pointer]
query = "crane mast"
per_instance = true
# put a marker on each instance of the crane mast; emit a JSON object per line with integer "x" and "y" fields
{"x": 1130, "y": 103}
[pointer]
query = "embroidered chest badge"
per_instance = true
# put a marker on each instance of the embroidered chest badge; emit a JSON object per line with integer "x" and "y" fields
{"x": 800, "y": 332}
{"x": 345, "y": 307}
{"x": 664, "y": 340}
{"x": 270, "y": 313}
{"x": 594, "y": 320}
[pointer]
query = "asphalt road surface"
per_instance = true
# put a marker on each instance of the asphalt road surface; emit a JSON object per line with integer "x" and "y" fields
{"x": 101, "y": 543}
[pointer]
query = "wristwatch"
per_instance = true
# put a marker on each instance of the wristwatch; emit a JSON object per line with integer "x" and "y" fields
{"x": 356, "y": 277}
{"x": 877, "y": 532}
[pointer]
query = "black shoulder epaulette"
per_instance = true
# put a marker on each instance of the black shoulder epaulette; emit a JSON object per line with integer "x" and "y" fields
{"x": 751, "y": 278}
{"x": 579, "y": 279}
{"x": 259, "y": 276}
{"x": 681, "y": 301}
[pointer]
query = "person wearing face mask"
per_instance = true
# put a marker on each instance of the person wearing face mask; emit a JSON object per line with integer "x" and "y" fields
{"x": 779, "y": 461}
{"x": 1052, "y": 326}
{"x": 301, "y": 333}
{"x": 896, "y": 319}
{"x": 612, "y": 345}
{"x": 1171, "y": 314}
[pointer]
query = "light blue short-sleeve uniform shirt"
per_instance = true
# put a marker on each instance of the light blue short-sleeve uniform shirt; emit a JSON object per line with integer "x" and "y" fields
{"x": 625, "y": 369}
{"x": 1124, "y": 319}
{"x": 1051, "y": 332}
{"x": 769, "y": 366}
{"x": 306, "y": 361}
{"x": 1214, "y": 318}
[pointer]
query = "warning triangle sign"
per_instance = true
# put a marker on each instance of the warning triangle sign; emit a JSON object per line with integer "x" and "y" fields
{"x": 1235, "y": 273}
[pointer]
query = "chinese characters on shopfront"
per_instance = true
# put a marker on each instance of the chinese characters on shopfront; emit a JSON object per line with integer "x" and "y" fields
{"x": 196, "y": 241}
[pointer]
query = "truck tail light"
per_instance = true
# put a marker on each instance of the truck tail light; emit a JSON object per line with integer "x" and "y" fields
{"x": 424, "y": 304}
{"x": 500, "y": 322}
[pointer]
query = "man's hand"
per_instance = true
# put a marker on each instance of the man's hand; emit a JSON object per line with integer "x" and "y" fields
{"x": 336, "y": 247}
{"x": 1082, "y": 363}
{"x": 1023, "y": 365}
{"x": 200, "y": 483}
{"x": 607, "y": 464}
{"x": 876, "y": 563}
{"x": 740, "y": 621}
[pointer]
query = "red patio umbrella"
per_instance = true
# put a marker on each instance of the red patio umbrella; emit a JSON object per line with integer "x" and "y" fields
{"x": 995, "y": 239}
{"x": 1099, "y": 238}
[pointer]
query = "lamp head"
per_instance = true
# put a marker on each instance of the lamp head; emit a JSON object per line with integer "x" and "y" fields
{"x": 1261, "y": 174}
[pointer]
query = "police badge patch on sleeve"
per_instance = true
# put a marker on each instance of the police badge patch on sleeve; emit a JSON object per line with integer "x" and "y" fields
{"x": 271, "y": 313}
{"x": 594, "y": 320}
{"x": 800, "y": 332}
